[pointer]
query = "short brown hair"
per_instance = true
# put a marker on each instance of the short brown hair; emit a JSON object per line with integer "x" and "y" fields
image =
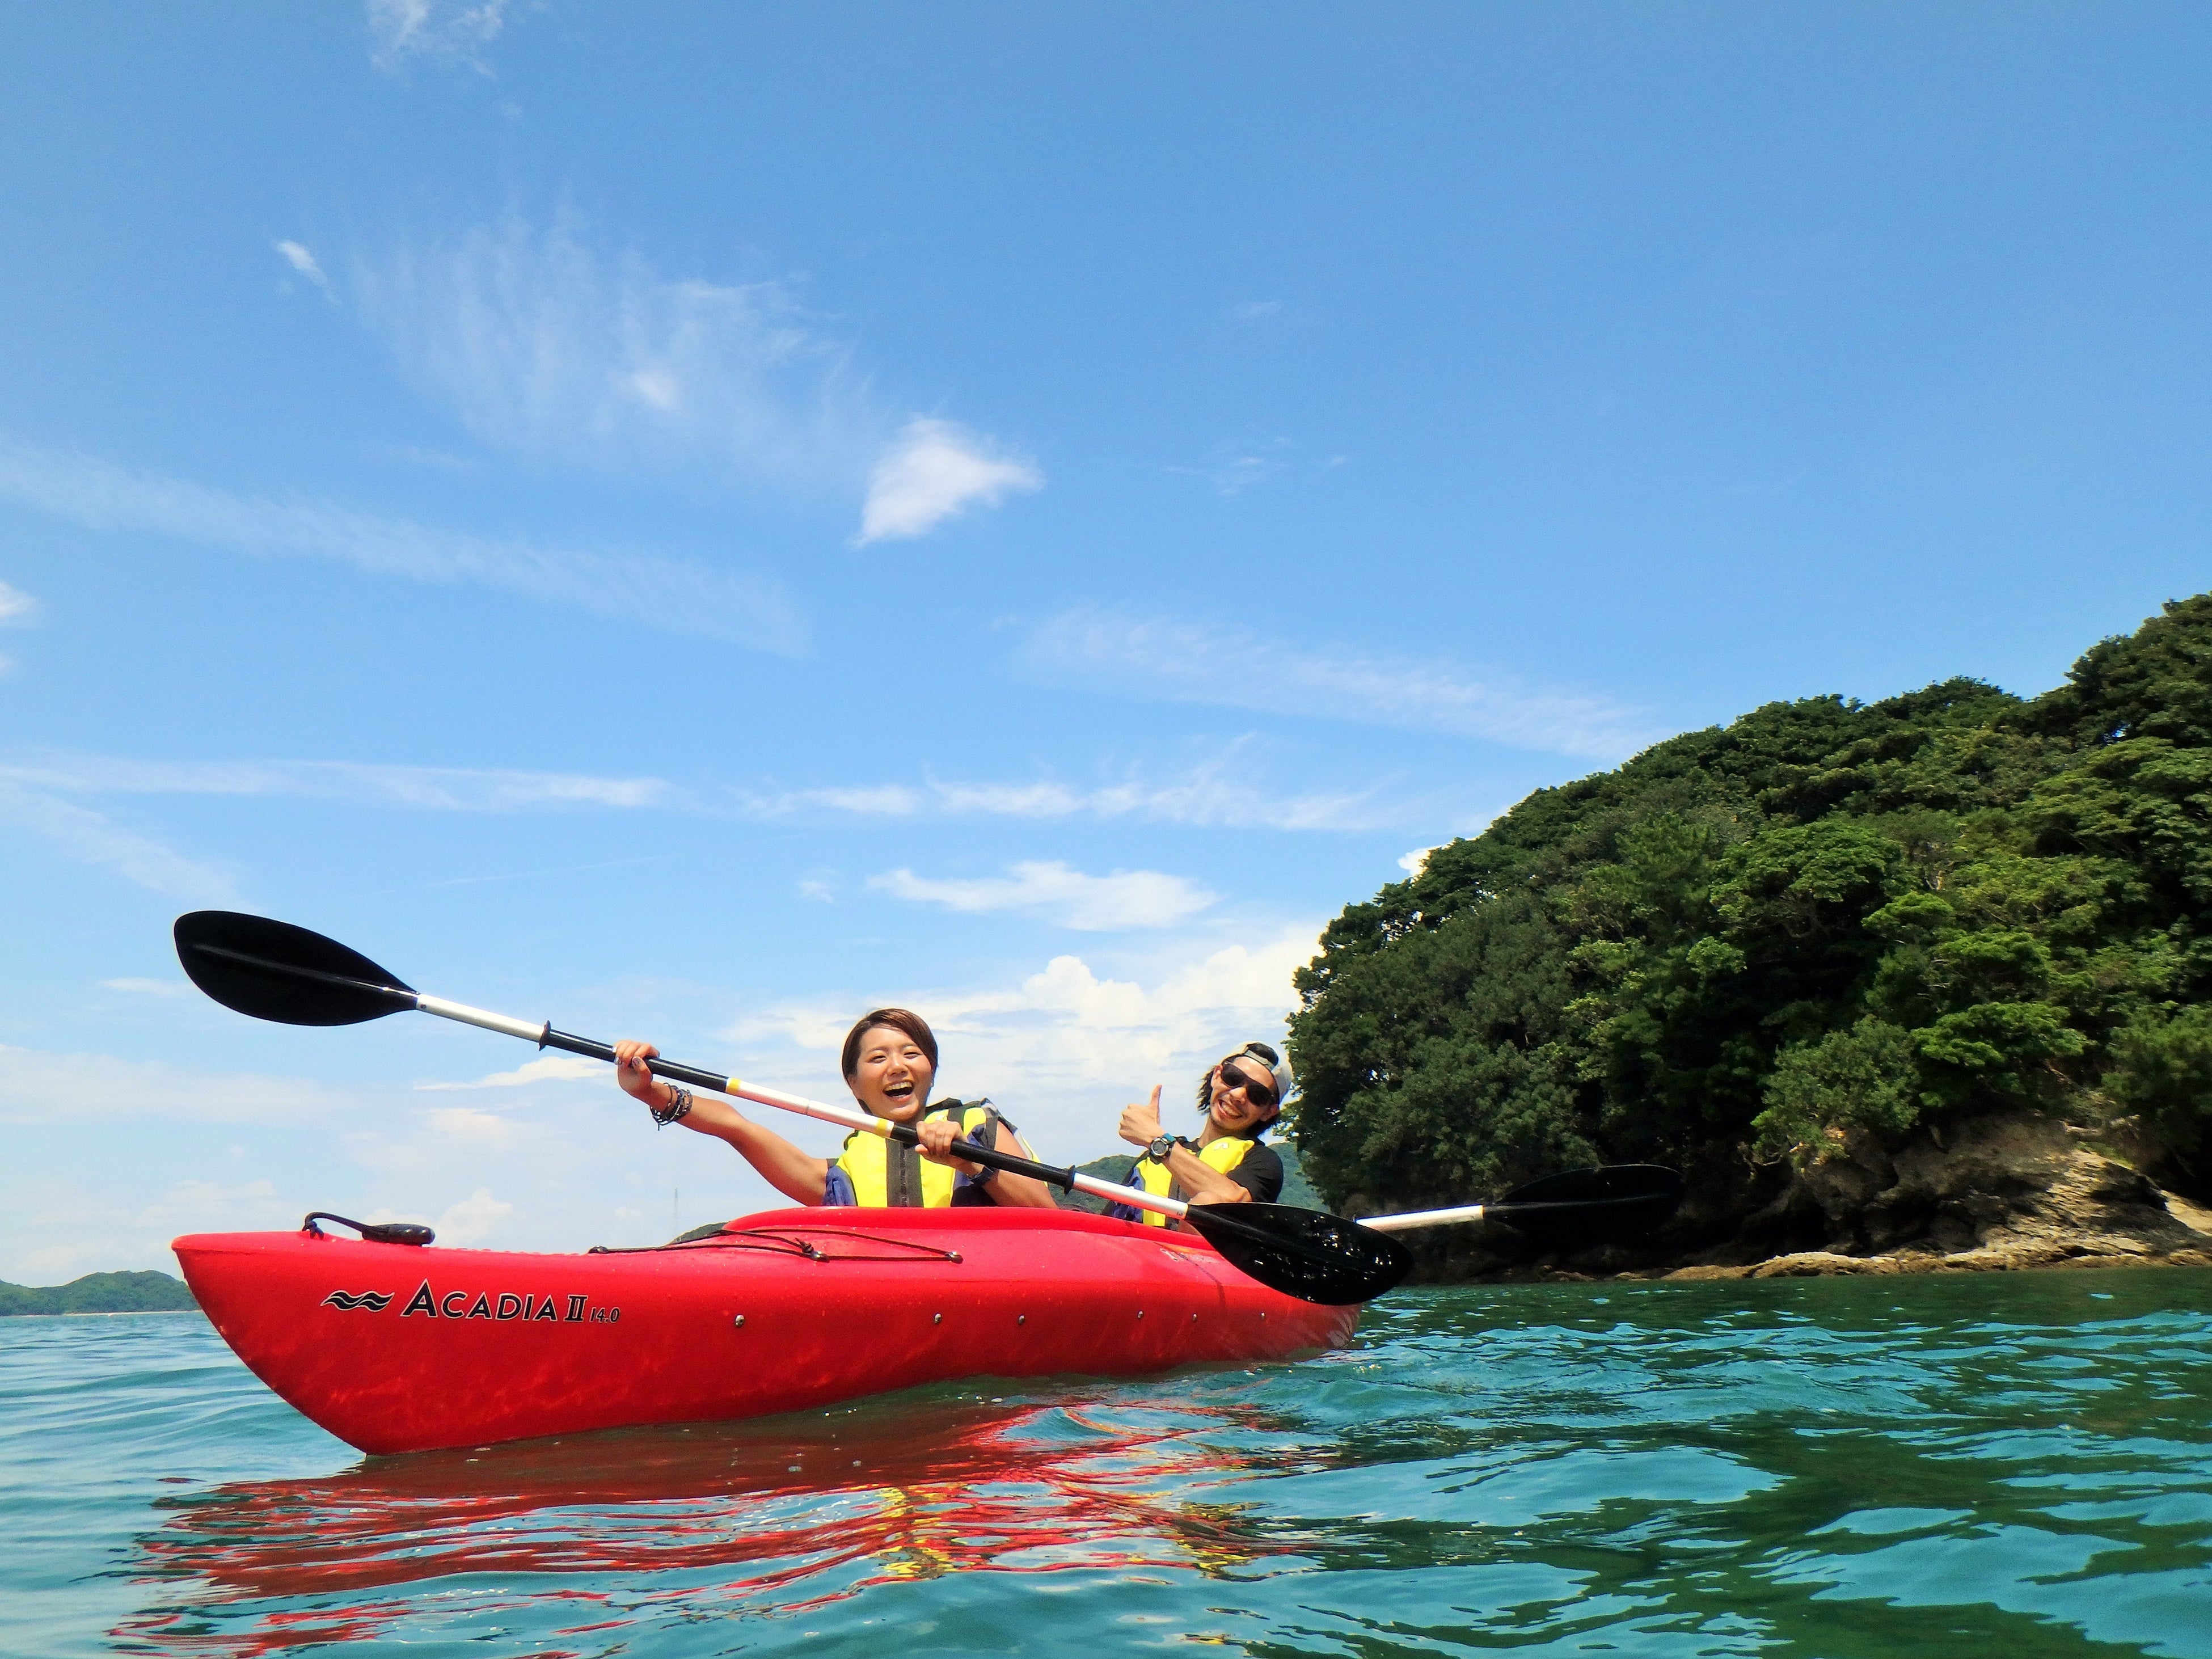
{"x": 899, "y": 1019}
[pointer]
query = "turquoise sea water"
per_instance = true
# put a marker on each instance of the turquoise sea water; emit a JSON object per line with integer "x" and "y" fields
{"x": 2017, "y": 1465}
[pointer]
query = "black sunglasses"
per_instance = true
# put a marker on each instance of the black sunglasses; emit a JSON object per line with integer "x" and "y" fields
{"x": 1259, "y": 1093}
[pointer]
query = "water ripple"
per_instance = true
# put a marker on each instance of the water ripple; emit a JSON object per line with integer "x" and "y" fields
{"x": 2018, "y": 1464}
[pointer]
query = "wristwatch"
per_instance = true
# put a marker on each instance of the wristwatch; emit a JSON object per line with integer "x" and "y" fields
{"x": 1159, "y": 1146}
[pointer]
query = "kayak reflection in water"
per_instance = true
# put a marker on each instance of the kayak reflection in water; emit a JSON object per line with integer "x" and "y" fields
{"x": 1228, "y": 1164}
{"x": 890, "y": 1063}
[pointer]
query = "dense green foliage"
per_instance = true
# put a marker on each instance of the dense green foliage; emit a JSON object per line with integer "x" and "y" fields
{"x": 140, "y": 1292}
{"x": 1827, "y": 916}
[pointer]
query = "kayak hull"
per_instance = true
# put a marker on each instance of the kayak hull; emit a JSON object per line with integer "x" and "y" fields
{"x": 395, "y": 1348}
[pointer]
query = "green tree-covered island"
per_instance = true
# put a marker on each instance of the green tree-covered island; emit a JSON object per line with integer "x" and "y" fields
{"x": 99, "y": 1293}
{"x": 1925, "y": 981}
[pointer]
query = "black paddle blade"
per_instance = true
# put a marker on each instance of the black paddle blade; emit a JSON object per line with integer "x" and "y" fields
{"x": 273, "y": 971}
{"x": 1302, "y": 1253}
{"x": 1607, "y": 1205}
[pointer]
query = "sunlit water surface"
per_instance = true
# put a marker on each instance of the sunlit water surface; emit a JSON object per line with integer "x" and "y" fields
{"x": 2013, "y": 1465}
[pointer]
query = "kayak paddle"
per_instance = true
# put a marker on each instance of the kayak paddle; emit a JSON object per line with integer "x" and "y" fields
{"x": 273, "y": 971}
{"x": 1576, "y": 1207}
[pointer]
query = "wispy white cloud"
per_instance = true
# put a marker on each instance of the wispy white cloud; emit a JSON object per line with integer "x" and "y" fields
{"x": 42, "y": 790}
{"x": 436, "y": 789}
{"x": 663, "y": 593}
{"x": 433, "y": 31}
{"x": 933, "y": 470}
{"x": 87, "y": 836}
{"x": 544, "y": 346}
{"x": 17, "y": 609}
{"x": 150, "y": 987}
{"x": 1209, "y": 796}
{"x": 553, "y": 1068}
{"x": 871, "y": 800}
{"x": 1254, "y": 311}
{"x": 46, "y": 1087}
{"x": 202, "y": 1205}
{"x": 1185, "y": 661}
{"x": 1238, "y": 468}
{"x": 1109, "y": 904}
{"x": 36, "y": 788}
{"x": 301, "y": 259}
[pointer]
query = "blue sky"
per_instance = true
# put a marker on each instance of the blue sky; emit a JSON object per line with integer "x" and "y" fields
{"x": 694, "y": 522}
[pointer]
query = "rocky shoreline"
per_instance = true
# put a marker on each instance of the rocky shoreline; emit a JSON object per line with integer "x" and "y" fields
{"x": 1998, "y": 1194}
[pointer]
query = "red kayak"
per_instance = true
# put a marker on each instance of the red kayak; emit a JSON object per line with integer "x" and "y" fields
{"x": 399, "y": 1348}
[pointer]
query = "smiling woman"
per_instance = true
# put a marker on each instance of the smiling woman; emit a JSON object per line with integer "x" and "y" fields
{"x": 1227, "y": 1164}
{"x": 890, "y": 1063}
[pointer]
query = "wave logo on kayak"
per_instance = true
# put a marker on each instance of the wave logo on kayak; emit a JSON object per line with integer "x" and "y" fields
{"x": 374, "y": 1301}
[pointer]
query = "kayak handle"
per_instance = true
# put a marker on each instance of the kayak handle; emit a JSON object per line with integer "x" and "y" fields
{"x": 376, "y": 1232}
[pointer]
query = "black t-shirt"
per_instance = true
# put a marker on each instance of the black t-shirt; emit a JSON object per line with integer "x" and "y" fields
{"x": 1260, "y": 1173}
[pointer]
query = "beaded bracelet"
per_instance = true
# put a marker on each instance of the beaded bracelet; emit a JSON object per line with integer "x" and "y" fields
{"x": 679, "y": 1102}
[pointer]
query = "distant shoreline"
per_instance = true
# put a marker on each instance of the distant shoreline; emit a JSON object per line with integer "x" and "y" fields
{"x": 98, "y": 1293}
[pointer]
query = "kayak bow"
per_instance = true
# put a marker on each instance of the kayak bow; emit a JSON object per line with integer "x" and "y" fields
{"x": 399, "y": 1348}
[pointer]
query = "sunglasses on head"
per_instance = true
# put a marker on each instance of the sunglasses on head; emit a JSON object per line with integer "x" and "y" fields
{"x": 1258, "y": 1093}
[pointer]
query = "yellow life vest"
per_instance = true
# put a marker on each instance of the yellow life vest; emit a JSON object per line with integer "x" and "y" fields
{"x": 885, "y": 1173}
{"x": 1224, "y": 1152}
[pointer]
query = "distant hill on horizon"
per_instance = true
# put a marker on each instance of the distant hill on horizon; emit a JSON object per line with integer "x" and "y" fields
{"x": 99, "y": 1293}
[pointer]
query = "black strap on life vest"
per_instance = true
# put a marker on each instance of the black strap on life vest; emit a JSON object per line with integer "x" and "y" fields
{"x": 902, "y": 1164}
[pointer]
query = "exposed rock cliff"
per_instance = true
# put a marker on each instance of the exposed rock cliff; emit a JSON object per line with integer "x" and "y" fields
{"x": 1997, "y": 1192}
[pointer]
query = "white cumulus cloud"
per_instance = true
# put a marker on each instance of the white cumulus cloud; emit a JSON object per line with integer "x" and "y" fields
{"x": 1124, "y": 899}
{"x": 1063, "y": 1048}
{"x": 933, "y": 469}
{"x": 477, "y": 1220}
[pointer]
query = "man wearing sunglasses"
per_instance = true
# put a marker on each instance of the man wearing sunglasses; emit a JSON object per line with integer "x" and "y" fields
{"x": 1227, "y": 1164}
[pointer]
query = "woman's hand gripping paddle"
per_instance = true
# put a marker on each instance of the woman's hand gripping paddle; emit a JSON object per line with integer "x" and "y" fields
{"x": 273, "y": 971}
